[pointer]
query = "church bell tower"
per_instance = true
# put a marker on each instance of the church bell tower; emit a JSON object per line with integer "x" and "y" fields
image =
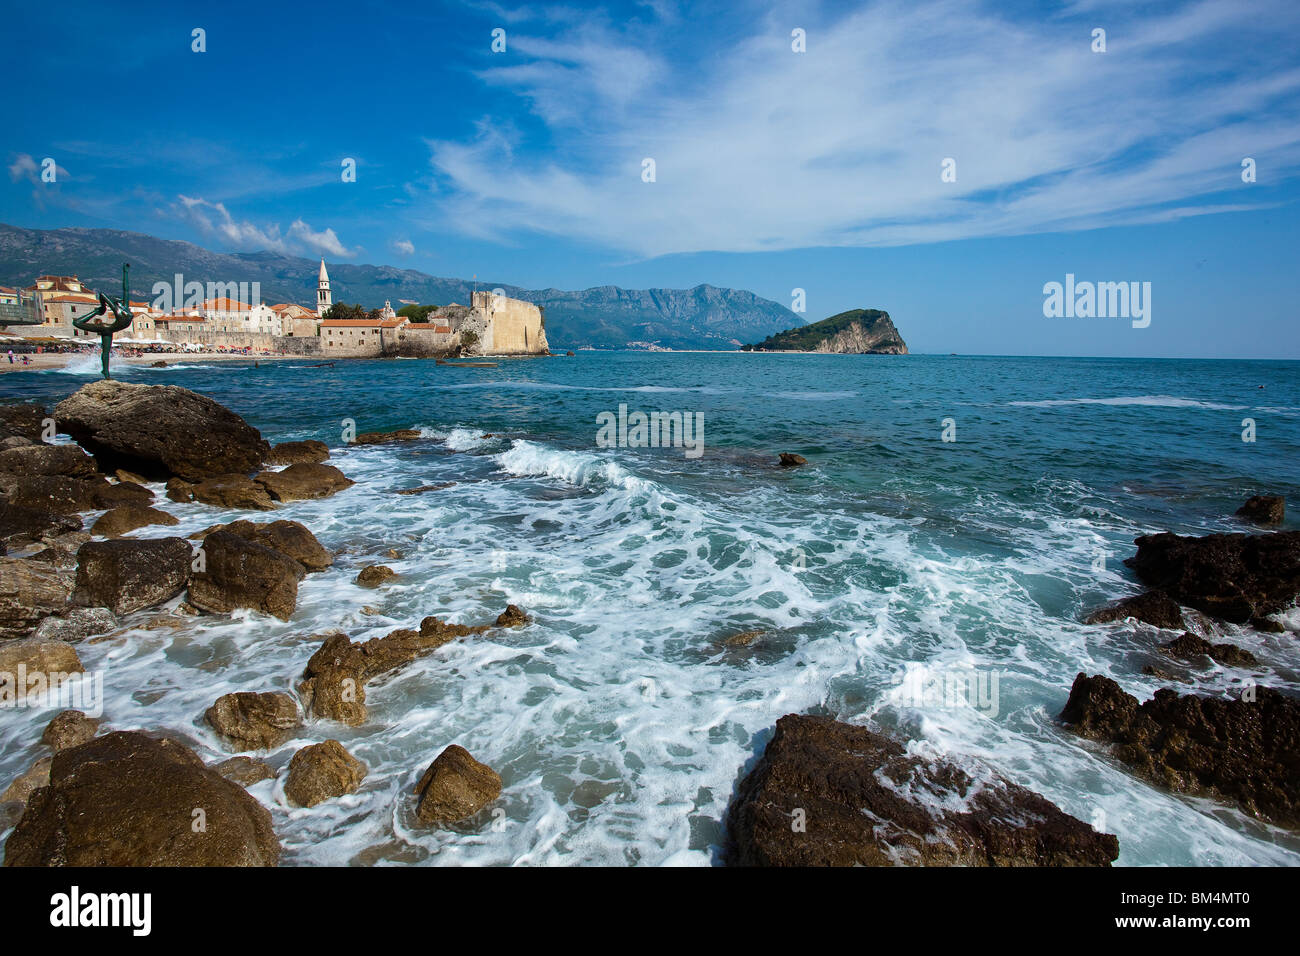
{"x": 324, "y": 299}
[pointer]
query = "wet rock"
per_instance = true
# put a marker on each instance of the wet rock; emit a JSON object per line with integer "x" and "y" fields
{"x": 1259, "y": 509}
{"x": 126, "y": 575}
{"x": 232, "y": 491}
{"x": 380, "y": 438}
{"x": 123, "y": 495}
{"x": 67, "y": 460}
{"x": 299, "y": 453}
{"x": 178, "y": 489}
{"x": 241, "y": 573}
{"x": 130, "y": 477}
{"x": 1268, "y": 625}
{"x": 288, "y": 537}
{"x": 26, "y": 420}
{"x": 52, "y": 493}
{"x": 20, "y": 525}
{"x": 454, "y": 787}
{"x": 1189, "y": 647}
{"x": 244, "y": 770}
{"x": 334, "y": 681}
{"x": 789, "y": 459}
{"x": 1151, "y": 607}
{"x": 1231, "y": 576}
{"x": 304, "y": 482}
{"x": 21, "y": 789}
{"x": 1242, "y": 751}
{"x": 321, "y": 772}
{"x": 125, "y": 799}
{"x": 865, "y": 801}
{"x": 248, "y": 721}
{"x": 52, "y": 660}
{"x": 76, "y": 624}
{"x": 512, "y": 616}
{"x": 120, "y": 521}
{"x": 70, "y": 728}
{"x": 743, "y": 639}
{"x": 423, "y": 488}
{"x": 29, "y": 592}
{"x": 160, "y": 431}
{"x": 375, "y": 575}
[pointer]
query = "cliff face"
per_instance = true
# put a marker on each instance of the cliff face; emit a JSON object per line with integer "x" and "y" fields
{"x": 858, "y": 331}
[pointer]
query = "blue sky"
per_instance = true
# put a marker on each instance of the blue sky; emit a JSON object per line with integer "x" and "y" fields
{"x": 774, "y": 169}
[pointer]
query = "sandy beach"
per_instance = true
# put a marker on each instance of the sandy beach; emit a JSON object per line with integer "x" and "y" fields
{"x": 48, "y": 360}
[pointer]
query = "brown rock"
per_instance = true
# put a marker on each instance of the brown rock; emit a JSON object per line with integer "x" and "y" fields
{"x": 789, "y": 459}
{"x": 1152, "y": 607}
{"x": 1242, "y": 751}
{"x": 178, "y": 489}
{"x": 119, "y": 521}
{"x": 1260, "y": 509}
{"x": 232, "y": 491}
{"x": 380, "y": 438}
{"x": 76, "y": 624}
{"x": 288, "y": 537}
{"x": 375, "y": 575}
{"x": 66, "y": 460}
{"x": 304, "y": 482}
{"x": 126, "y": 575}
{"x": 743, "y": 639}
{"x": 160, "y": 431}
{"x": 130, "y": 477}
{"x": 241, "y": 573}
{"x": 861, "y": 799}
{"x": 125, "y": 799}
{"x": 49, "y": 662}
{"x": 299, "y": 453}
{"x": 37, "y": 776}
{"x": 1189, "y": 646}
{"x": 321, "y": 772}
{"x": 70, "y": 728}
{"x": 454, "y": 787}
{"x": 244, "y": 770}
{"x": 29, "y": 592}
{"x": 25, "y": 420}
{"x": 21, "y": 525}
{"x": 249, "y": 721}
{"x": 512, "y": 616}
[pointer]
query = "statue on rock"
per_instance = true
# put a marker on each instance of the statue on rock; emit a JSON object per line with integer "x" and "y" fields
{"x": 120, "y": 309}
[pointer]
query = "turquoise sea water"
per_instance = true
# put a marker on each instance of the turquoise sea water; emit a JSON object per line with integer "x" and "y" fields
{"x": 618, "y": 720}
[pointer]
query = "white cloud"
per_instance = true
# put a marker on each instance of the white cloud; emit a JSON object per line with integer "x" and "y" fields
{"x": 757, "y": 147}
{"x": 215, "y": 219}
{"x": 404, "y": 246}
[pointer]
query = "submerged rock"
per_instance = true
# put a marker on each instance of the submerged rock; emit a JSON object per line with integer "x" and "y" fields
{"x": 304, "y": 482}
{"x": 1231, "y": 576}
{"x": 789, "y": 459}
{"x": 244, "y": 770}
{"x": 512, "y": 616}
{"x": 1190, "y": 646}
{"x": 321, "y": 772}
{"x": 126, "y": 799}
{"x": 1263, "y": 510}
{"x": 380, "y": 438}
{"x": 126, "y": 575}
{"x": 288, "y": 537}
{"x": 29, "y": 592}
{"x": 249, "y": 721}
{"x": 241, "y": 573}
{"x": 1151, "y": 607}
{"x": 21, "y": 789}
{"x": 1242, "y": 751}
{"x": 826, "y": 793}
{"x": 374, "y": 575}
{"x": 120, "y": 521}
{"x": 309, "y": 452}
{"x": 160, "y": 431}
{"x": 454, "y": 787}
{"x": 71, "y": 728}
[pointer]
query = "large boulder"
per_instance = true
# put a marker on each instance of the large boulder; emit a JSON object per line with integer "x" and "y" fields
{"x": 334, "y": 681}
{"x": 24, "y": 524}
{"x": 321, "y": 772}
{"x": 76, "y": 623}
{"x": 1235, "y": 577}
{"x": 310, "y": 452}
{"x": 29, "y": 592}
{"x": 160, "y": 430}
{"x": 127, "y": 518}
{"x": 52, "y": 660}
{"x": 1259, "y": 509}
{"x": 126, "y": 575}
{"x": 288, "y": 537}
{"x": 251, "y": 721}
{"x": 1241, "y": 750}
{"x": 1151, "y": 607}
{"x": 231, "y": 491}
{"x": 125, "y": 799}
{"x": 239, "y": 573}
{"x": 69, "y": 728}
{"x": 1189, "y": 647}
{"x": 67, "y": 460}
{"x": 826, "y": 793}
{"x": 372, "y": 576}
{"x": 27, "y": 420}
{"x": 454, "y": 787}
{"x": 304, "y": 482}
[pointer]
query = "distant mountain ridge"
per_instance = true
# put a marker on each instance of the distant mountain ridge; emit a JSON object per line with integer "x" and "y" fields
{"x": 858, "y": 331}
{"x": 705, "y": 317}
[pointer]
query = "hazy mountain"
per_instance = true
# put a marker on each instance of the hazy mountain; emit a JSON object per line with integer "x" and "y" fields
{"x": 604, "y": 317}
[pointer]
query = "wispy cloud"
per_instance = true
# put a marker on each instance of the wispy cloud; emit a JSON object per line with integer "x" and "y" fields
{"x": 757, "y": 147}
{"x": 213, "y": 218}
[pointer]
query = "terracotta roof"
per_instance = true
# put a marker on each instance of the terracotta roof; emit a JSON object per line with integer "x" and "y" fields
{"x": 69, "y": 297}
{"x": 442, "y": 328}
{"x": 9, "y": 291}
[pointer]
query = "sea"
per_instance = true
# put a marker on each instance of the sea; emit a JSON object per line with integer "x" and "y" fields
{"x": 925, "y": 573}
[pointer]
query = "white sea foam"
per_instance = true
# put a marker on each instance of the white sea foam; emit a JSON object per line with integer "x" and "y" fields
{"x": 1154, "y": 401}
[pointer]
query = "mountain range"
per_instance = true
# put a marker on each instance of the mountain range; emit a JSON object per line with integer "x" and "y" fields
{"x": 705, "y": 317}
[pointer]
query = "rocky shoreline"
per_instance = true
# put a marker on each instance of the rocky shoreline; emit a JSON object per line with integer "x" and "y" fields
{"x": 822, "y": 792}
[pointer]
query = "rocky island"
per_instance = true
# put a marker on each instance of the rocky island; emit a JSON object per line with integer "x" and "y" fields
{"x": 856, "y": 332}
